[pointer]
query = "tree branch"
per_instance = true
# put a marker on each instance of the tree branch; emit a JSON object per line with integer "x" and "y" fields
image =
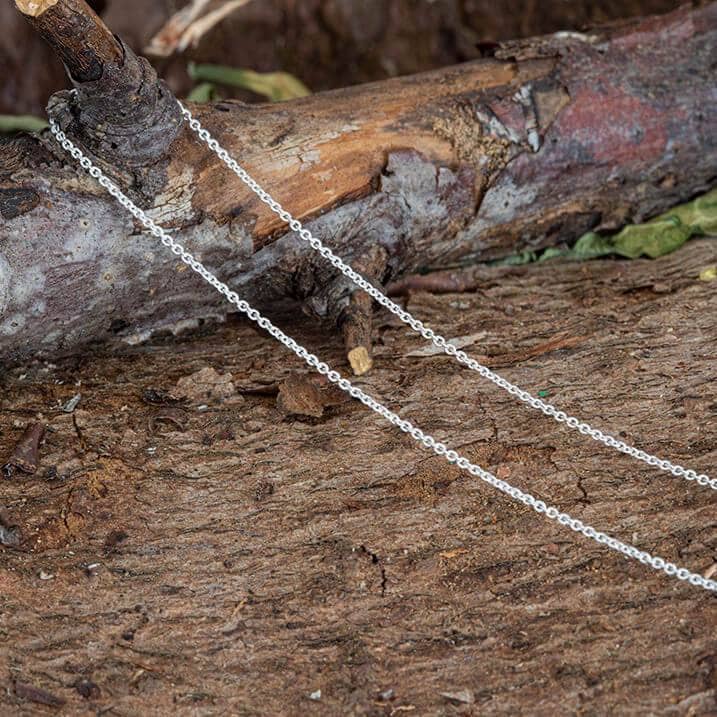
{"x": 120, "y": 110}
{"x": 76, "y": 33}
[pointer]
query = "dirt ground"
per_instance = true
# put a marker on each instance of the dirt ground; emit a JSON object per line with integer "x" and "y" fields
{"x": 254, "y": 544}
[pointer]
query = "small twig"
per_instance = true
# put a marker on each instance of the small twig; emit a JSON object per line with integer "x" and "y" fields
{"x": 356, "y": 319}
{"x": 356, "y": 323}
{"x": 76, "y": 33}
{"x": 439, "y": 282}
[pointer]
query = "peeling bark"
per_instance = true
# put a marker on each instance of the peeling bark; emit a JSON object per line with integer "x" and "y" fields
{"x": 437, "y": 170}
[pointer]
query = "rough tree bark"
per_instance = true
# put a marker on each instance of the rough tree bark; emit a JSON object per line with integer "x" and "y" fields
{"x": 545, "y": 140}
{"x": 233, "y": 560}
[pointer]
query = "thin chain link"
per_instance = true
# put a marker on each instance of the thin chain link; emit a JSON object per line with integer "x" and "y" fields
{"x": 452, "y": 456}
{"x": 427, "y": 333}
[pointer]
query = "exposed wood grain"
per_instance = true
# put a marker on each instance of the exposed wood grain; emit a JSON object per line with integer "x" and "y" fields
{"x": 235, "y": 561}
{"x": 326, "y": 43}
{"x": 34, "y": 8}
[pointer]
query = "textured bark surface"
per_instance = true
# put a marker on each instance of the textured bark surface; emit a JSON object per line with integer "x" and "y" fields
{"x": 76, "y": 35}
{"x": 236, "y": 558}
{"x": 549, "y": 138}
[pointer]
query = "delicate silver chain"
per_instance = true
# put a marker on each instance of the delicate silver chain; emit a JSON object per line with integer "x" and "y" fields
{"x": 344, "y": 384}
{"x": 427, "y": 333}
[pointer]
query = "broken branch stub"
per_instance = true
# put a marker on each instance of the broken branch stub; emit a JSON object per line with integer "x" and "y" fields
{"x": 77, "y": 34}
{"x": 120, "y": 111}
{"x": 34, "y": 8}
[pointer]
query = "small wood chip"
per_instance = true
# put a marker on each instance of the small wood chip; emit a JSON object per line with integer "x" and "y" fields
{"x": 31, "y": 693}
{"x": 360, "y": 360}
{"x": 87, "y": 689}
{"x": 25, "y": 456}
{"x": 462, "y": 697}
{"x": 299, "y": 396}
{"x": 206, "y": 384}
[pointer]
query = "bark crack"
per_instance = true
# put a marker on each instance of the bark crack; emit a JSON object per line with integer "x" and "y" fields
{"x": 376, "y": 560}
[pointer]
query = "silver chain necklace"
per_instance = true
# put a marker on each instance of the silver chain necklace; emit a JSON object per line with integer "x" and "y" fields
{"x": 452, "y": 456}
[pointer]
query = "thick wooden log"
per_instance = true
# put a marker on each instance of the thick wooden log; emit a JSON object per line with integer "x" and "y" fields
{"x": 529, "y": 148}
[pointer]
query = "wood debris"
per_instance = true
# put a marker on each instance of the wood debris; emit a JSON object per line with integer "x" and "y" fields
{"x": 25, "y": 691}
{"x": 205, "y": 385}
{"x": 25, "y": 456}
{"x": 300, "y": 396}
{"x": 188, "y": 26}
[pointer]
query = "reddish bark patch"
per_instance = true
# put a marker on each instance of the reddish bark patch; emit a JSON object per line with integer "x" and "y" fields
{"x": 609, "y": 125}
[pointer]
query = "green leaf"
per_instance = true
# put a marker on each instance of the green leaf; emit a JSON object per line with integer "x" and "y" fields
{"x": 700, "y": 215}
{"x": 670, "y": 230}
{"x": 591, "y": 245}
{"x": 203, "y": 92}
{"x": 526, "y": 257}
{"x": 21, "y": 123}
{"x": 275, "y": 86}
{"x": 654, "y": 239}
{"x": 553, "y": 252}
{"x": 658, "y": 237}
